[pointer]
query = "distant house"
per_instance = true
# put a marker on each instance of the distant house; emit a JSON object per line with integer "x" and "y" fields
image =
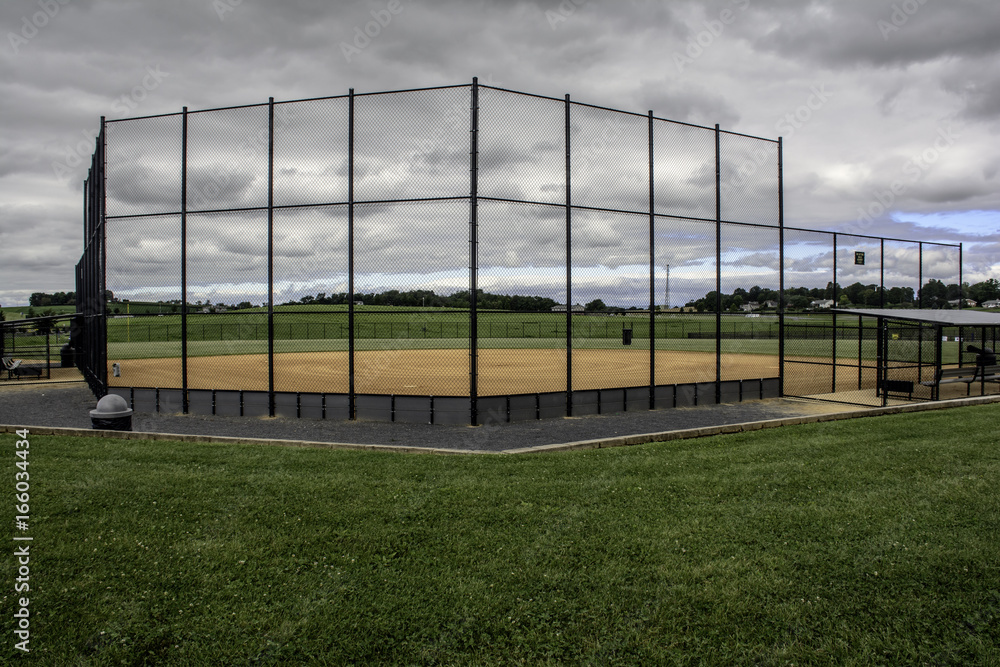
{"x": 969, "y": 303}
{"x": 822, "y": 303}
{"x": 561, "y": 308}
{"x": 750, "y": 307}
{"x": 994, "y": 303}
{"x": 771, "y": 304}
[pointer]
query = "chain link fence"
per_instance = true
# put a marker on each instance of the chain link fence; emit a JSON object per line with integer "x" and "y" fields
{"x": 445, "y": 253}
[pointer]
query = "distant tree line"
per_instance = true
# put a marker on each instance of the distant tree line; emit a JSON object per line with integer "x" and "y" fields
{"x": 41, "y": 299}
{"x": 934, "y": 294}
{"x": 428, "y": 298}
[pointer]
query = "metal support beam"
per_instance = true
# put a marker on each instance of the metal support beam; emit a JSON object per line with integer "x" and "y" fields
{"x": 184, "y": 244}
{"x": 569, "y": 264}
{"x": 270, "y": 257}
{"x": 474, "y": 254}
{"x": 718, "y": 268}
{"x": 652, "y": 272}
{"x": 352, "y": 396}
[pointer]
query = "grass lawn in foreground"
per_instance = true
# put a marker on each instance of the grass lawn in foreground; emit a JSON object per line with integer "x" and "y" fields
{"x": 871, "y": 541}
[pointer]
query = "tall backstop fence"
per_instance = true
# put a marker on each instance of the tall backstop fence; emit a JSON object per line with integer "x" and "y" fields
{"x": 89, "y": 339}
{"x": 458, "y": 254}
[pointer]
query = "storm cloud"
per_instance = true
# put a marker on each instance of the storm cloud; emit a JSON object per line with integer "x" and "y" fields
{"x": 865, "y": 156}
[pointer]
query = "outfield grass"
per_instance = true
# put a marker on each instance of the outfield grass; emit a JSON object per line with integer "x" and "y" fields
{"x": 388, "y": 323}
{"x": 820, "y": 349}
{"x": 386, "y": 328}
{"x": 863, "y": 542}
{"x": 17, "y": 312}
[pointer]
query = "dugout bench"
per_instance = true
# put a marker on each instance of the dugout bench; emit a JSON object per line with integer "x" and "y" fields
{"x": 985, "y": 369}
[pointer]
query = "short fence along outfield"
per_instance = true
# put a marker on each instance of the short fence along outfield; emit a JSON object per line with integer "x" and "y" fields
{"x": 460, "y": 254}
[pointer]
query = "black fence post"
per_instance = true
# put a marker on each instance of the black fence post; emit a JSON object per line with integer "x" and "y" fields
{"x": 352, "y": 402}
{"x": 882, "y": 362}
{"x": 474, "y": 253}
{"x": 833, "y": 381}
{"x": 569, "y": 264}
{"x": 102, "y": 273}
{"x": 184, "y": 289}
{"x": 84, "y": 292}
{"x": 961, "y": 285}
{"x": 652, "y": 272}
{"x": 920, "y": 275}
{"x": 718, "y": 268}
{"x": 270, "y": 257}
{"x": 781, "y": 272}
{"x": 938, "y": 345}
{"x": 861, "y": 338}
{"x": 881, "y": 274}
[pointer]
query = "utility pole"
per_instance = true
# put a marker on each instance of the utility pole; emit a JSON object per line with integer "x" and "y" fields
{"x": 667, "y": 295}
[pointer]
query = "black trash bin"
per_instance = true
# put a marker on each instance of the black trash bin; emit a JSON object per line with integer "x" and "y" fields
{"x": 626, "y": 336}
{"x": 66, "y": 356}
{"x": 112, "y": 414}
{"x": 984, "y": 355}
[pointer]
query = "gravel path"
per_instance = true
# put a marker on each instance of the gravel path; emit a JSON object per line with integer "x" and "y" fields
{"x": 69, "y": 406}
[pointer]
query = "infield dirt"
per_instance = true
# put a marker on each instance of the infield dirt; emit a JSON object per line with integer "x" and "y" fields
{"x": 441, "y": 372}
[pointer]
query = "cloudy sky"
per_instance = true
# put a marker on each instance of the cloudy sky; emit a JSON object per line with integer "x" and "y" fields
{"x": 889, "y": 113}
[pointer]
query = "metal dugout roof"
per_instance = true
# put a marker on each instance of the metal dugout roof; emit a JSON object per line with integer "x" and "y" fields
{"x": 948, "y": 318}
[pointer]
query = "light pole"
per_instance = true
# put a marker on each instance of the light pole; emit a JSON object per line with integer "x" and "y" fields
{"x": 667, "y": 295}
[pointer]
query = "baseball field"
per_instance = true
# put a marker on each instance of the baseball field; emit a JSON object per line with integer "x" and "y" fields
{"x": 427, "y": 352}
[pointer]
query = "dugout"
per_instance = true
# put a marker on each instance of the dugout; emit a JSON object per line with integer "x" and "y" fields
{"x": 909, "y": 355}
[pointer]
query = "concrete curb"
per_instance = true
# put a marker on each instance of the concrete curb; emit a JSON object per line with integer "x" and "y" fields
{"x": 706, "y": 431}
{"x": 601, "y": 443}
